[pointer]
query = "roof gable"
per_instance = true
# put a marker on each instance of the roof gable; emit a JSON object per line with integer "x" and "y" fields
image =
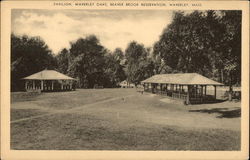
{"x": 48, "y": 75}
{"x": 181, "y": 78}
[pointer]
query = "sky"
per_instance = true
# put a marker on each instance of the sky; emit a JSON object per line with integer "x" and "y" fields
{"x": 114, "y": 28}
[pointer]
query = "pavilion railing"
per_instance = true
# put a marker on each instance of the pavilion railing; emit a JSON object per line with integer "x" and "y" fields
{"x": 194, "y": 98}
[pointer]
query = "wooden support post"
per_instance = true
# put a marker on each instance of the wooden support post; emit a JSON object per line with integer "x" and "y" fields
{"x": 26, "y": 85}
{"x": 33, "y": 87}
{"x": 205, "y": 90}
{"x": 188, "y": 95}
{"x": 201, "y": 91}
{"x": 214, "y": 91}
{"x": 52, "y": 85}
{"x": 41, "y": 85}
{"x": 179, "y": 91}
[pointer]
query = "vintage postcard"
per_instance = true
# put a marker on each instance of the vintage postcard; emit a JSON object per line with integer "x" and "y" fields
{"x": 124, "y": 80}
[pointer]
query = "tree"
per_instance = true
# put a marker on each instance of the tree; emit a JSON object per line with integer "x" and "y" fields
{"x": 28, "y": 55}
{"x": 118, "y": 55}
{"x": 113, "y": 70}
{"x": 232, "y": 43}
{"x": 138, "y": 67}
{"x": 87, "y": 62}
{"x": 182, "y": 45}
{"x": 206, "y": 42}
{"x": 63, "y": 59}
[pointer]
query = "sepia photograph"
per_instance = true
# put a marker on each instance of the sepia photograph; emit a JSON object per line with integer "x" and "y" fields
{"x": 81, "y": 80}
{"x": 125, "y": 79}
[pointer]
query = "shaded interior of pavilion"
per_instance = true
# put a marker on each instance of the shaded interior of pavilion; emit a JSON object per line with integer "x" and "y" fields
{"x": 192, "y": 90}
{"x": 49, "y": 85}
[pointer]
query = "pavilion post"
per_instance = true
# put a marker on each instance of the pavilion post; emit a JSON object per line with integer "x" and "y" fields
{"x": 41, "y": 85}
{"x": 152, "y": 87}
{"x": 26, "y": 85}
{"x": 188, "y": 95}
{"x": 52, "y": 85}
{"x": 155, "y": 88}
{"x": 179, "y": 91}
{"x": 202, "y": 91}
{"x": 201, "y": 94}
{"x": 72, "y": 82}
{"x": 205, "y": 90}
{"x": 214, "y": 91}
{"x": 33, "y": 87}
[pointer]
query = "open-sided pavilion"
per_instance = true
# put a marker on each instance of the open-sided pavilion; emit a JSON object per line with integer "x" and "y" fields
{"x": 49, "y": 80}
{"x": 190, "y": 87}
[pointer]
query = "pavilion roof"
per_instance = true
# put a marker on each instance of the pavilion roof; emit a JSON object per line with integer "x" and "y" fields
{"x": 181, "y": 78}
{"x": 48, "y": 75}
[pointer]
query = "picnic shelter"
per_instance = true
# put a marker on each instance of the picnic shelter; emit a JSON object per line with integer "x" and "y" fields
{"x": 190, "y": 87}
{"x": 49, "y": 80}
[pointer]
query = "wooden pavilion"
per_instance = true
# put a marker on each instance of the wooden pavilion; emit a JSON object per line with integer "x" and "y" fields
{"x": 49, "y": 80}
{"x": 190, "y": 87}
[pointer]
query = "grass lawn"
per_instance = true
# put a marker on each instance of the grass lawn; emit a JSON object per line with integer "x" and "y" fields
{"x": 121, "y": 119}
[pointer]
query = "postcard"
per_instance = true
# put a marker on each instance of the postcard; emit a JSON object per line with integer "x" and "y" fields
{"x": 124, "y": 80}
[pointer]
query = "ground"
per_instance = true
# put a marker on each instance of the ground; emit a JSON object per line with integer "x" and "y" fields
{"x": 120, "y": 119}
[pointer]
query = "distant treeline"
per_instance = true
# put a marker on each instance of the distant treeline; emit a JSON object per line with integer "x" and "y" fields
{"x": 205, "y": 42}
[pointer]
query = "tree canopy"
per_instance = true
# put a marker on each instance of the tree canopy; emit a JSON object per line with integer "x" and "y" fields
{"x": 205, "y": 42}
{"x": 139, "y": 66}
{"x": 87, "y": 61}
{"x": 28, "y": 55}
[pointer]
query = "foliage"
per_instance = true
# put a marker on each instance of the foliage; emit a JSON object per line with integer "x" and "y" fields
{"x": 63, "y": 59}
{"x": 87, "y": 61}
{"x": 28, "y": 55}
{"x": 205, "y": 42}
{"x": 114, "y": 71}
{"x": 139, "y": 65}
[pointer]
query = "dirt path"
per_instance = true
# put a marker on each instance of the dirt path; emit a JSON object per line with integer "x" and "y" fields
{"x": 52, "y": 112}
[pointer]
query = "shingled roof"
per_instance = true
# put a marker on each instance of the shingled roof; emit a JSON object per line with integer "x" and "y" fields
{"x": 48, "y": 75}
{"x": 181, "y": 78}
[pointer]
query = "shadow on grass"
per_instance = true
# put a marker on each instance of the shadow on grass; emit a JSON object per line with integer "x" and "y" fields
{"x": 210, "y": 102}
{"x": 224, "y": 112}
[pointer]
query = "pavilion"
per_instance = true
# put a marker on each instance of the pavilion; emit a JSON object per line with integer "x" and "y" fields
{"x": 190, "y": 87}
{"x": 49, "y": 80}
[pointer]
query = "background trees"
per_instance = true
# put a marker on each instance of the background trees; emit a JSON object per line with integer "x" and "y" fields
{"x": 28, "y": 55}
{"x": 138, "y": 64}
{"x": 63, "y": 61}
{"x": 92, "y": 64}
{"x": 114, "y": 70}
{"x": 205, "y": 42}
{"x": 87, "y": 62}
